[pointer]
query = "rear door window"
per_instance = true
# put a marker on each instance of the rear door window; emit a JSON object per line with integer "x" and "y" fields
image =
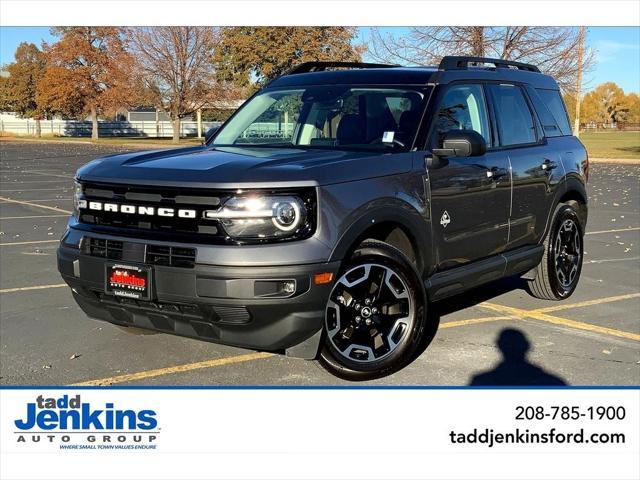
{"x": 513, "y": 115}
{"x": 555, "y": 104}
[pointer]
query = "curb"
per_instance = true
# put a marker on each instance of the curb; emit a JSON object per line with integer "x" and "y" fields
{"x": 618, "y": 161}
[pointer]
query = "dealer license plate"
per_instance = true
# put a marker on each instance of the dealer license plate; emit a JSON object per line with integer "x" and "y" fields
{"x": 128, "y": 281}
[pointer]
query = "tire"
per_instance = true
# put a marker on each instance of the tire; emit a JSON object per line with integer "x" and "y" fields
{"x": 558, "y": 273}
{"x": 375, "y": 316}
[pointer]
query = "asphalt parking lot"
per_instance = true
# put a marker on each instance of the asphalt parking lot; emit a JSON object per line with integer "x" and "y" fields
{"x": 593, "y": 338}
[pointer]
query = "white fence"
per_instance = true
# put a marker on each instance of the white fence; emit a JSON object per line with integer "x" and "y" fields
{"x": 274, "y": 130}
{"x": 74, "y": 128}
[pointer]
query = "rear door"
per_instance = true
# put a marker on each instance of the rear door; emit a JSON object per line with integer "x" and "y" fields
{"x": 534, "y": 164}
{"x": 470, "y": 196}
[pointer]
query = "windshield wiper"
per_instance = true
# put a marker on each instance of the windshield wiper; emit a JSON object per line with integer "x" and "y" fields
{"x": 352, "y": 147}
{"x": 257, "y": 145}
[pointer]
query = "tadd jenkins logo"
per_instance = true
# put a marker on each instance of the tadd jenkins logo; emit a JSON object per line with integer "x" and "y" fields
{"x": 74, "y": 424}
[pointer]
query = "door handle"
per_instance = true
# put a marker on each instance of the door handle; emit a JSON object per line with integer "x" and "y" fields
{"x": 548, "y": 165}
{"x": 497, "y": 172}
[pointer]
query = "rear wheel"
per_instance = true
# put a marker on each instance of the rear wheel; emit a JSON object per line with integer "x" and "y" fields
{"x": 558, "y": 273}
{"x": 375, "y": 315}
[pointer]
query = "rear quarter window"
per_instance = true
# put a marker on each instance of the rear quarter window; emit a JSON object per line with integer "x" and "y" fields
{"x": 553, "y": 101}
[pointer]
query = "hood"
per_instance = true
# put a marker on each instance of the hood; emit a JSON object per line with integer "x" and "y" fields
{"x": 236, "y": 167}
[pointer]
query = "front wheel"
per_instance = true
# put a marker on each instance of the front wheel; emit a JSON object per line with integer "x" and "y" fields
{"x": 375, "y": 315}
{"x": 558, "y": 273}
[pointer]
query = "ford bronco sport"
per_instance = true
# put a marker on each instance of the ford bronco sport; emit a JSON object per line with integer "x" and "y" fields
{"x": 326, "y": 214}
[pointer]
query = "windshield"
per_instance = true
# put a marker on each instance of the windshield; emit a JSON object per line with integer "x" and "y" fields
{"x": 330, "y": 116}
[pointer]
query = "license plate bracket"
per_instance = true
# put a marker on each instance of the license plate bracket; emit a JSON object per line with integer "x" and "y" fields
{"x": 128, "y": 281}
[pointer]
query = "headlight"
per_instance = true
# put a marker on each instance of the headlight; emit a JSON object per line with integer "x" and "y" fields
{"x": 78, "y": 201}
{"x": 262, "y": 217}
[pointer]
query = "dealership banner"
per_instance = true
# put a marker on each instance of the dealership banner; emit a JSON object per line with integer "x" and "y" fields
{"x": 317, "y": 433}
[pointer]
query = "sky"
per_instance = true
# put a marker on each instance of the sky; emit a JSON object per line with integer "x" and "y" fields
{"x": 617, "y": 51}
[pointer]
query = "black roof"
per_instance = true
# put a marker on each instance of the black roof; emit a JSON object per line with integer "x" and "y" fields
{"x": 381, "y": 76}
{"x": 450, "y": 70}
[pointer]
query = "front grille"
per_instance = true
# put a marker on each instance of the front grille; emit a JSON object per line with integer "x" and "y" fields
{"x": 171, "y": 256}
{"x": 154, "y": 226}
{"x": 100, "y": 247}
{"x": 138, "y": 252}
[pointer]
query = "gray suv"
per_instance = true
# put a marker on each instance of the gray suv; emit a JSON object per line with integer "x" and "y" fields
{"x": 333, "y": 207}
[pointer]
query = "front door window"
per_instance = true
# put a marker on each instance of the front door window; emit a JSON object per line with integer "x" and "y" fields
{"x": 462, "y": 108}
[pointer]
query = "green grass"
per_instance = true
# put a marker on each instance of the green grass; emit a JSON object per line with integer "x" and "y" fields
{"x": 623, "y": 145}
{"x": 612, "y": 144}
{"x": 110, "y": 140}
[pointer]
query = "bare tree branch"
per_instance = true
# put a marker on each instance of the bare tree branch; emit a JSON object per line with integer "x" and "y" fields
{"x": 552, "y": 49}
{"x": 177, "y": 69}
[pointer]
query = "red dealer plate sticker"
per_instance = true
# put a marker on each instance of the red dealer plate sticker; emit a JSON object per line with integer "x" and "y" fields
{"x": 128, "y": 281}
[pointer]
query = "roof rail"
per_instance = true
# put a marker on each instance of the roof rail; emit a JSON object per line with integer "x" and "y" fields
{"x": 462, "y": 63}
{"x": 322, "y": 66}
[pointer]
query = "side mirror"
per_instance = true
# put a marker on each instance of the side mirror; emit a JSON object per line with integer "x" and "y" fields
{"x": 461, "y": 143}
{"x": 209, "y": 134}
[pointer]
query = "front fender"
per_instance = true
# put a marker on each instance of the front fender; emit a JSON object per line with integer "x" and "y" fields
{"x": 386, "y": 210}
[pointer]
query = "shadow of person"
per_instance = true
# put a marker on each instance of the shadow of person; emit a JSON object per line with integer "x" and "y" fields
{"x": 515, "y": 370}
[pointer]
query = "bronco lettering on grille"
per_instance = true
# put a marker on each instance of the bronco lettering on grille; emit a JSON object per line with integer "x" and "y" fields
{"x": 136, "y": 209}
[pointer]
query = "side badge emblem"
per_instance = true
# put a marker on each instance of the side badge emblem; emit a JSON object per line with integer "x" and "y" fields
{"x": 445, "y": 219}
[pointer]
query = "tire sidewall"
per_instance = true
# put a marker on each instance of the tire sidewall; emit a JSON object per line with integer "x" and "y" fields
{"x": 563, "y": 212}
{"x": 398, "y": 262}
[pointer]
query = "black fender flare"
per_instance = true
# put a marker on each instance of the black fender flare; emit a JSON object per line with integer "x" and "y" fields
{"x": 571, "y": 183}
{"x": 416, "y": 226}
{"x": 574, "y": 182}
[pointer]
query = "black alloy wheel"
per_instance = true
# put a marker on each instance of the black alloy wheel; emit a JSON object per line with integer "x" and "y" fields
{"x": 375, "y": 314}
{"x": 557, "y": 275}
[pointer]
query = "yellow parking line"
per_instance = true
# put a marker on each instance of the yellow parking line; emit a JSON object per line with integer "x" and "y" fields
{"x": 588, "y": 303}
{"x": 31, "y": 204}
{"x": 35, "y": 189}
{"x": 15, "y": 183}
{"x": 509, "y": 313}
{"x": 32, "y": 216}
{"x": 609, "y": 260}
{"x": 27, "y": 243}
{"x": 236, "y": 359}
{"x": 218, "y": 362}
{"x": 37, "y": 287}
{"x": 559, "y": 321}
{"x": 46, "y": 174}
{"x": 474, "y": 321}
{"x": 59, "y": 199}
{"x": 630, "y": 229}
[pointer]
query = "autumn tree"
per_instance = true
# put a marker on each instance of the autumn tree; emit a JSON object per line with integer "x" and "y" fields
{"x": 88, "y": 71}
{"x": 18, "y": 90}
{"x": 6, "y": 100}
{"x": 633, "y": 102}
{"x": 177, "y": 69}
{"x": 251, "y": 56}
{"x": 569, "y": 99}
{"x": 22, "y": 79}
{"x": 607, "y": 103}
{"x": 552, "y": 49}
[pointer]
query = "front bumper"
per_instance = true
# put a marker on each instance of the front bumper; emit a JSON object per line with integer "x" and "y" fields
{"x": 219, "y": 304}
